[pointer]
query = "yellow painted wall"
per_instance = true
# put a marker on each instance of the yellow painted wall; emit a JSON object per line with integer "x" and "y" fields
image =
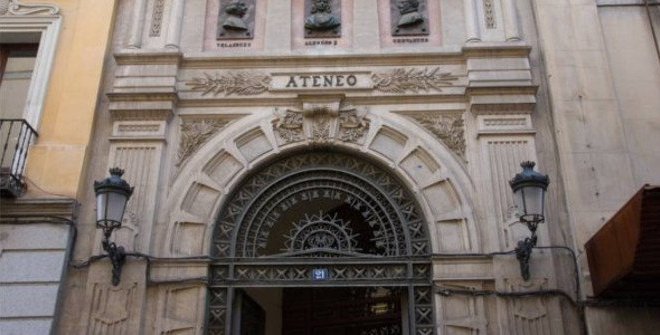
{"x": 56, "y": 162}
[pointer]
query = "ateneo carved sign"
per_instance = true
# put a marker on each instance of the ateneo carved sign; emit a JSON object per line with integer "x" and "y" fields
{"x": 397, "y": 80}
{"x": 321, "y": 80}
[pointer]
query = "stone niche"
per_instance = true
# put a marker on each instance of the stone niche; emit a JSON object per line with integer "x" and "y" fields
{"x": 236, "y": 19}
{"x": 409, "y": 18}
{"x": 322, "y": 18}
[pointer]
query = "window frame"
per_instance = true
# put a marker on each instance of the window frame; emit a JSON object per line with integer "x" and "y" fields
{"x": 48, "y": 26}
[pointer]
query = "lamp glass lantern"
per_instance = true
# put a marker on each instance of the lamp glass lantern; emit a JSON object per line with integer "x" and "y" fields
{"x": 529, "y": 188}
{"x": 112, "y": 194}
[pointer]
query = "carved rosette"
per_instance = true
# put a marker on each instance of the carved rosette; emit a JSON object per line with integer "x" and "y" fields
{"x": 321, "y": 124}
{"x": 403, "y": 80}
{"x": 239, "y": 83}
{"x": 449, "y": 129}
{"x": 194, "y": 134}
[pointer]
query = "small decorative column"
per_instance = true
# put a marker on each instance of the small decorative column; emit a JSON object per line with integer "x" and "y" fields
{"x": 511, "y": 24}
{"x": 135, "y": 36}
{"x": 174, "y": 25}
{"x": 471, "y": 21}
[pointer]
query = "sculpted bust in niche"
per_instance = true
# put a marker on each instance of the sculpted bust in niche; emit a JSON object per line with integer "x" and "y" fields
{"x": 233, "y": 23}
{"x": 321, "y": 22}
{"x": 408, "y": 18}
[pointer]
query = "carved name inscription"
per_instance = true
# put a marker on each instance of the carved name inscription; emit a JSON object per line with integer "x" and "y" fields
{"x": 311, "y": 81}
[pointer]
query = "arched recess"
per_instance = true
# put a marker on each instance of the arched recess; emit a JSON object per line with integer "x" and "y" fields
{"x": 428, "y": 174}
{"x": 429, "y": 170}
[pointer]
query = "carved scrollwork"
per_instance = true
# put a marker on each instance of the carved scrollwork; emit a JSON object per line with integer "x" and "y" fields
{"x": 239, "y": 83}
{"x": 289, "y": 125}
{"x": 16, "y": 7}
{"x": 447, "y": 128}
{"x": 402, "y": 80}
{"x": 194, "y": 134}
{"x": 323, "y": 123}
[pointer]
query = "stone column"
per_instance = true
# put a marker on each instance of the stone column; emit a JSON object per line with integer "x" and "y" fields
{"x": 135, "y": 35}
{"x": 471, "y": 21}
{"x": 174, "y": 25}
{"x": 511, "y": 24}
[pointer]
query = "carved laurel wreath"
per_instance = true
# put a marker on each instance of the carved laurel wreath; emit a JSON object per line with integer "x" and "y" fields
{"x": 401, "y": 80}
{"x": 239, "y": 83}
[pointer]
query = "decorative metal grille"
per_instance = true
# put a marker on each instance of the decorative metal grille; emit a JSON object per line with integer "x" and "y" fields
{"x": 322, "y": 210}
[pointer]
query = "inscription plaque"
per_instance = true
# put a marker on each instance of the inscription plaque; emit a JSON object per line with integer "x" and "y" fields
{"x": 321, "y": 81}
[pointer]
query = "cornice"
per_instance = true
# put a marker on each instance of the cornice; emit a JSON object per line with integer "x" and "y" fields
{"x": 200, "y": 60}
{"x": 37, "y": 207}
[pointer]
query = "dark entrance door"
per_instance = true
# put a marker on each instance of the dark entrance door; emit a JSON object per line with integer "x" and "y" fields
{"x": 341, "y": 311}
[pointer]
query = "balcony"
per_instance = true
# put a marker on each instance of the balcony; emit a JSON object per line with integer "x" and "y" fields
{"x": 16, "y": 135}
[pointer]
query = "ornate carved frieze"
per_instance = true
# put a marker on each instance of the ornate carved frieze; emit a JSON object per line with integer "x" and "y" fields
{"x": 396, "y": 81}
{"x": 194, "y": 133}
{"x": 403, "y": 80}
{"x": 322, "y": 18}
{"x": 449, "y": 128}
{"x": 18, "y": 8}
{"x": 239, "y": 83}
{"x": 321, "y": 123}
{"x": 236, "y": 19}
{"x": 157, "y": 18}
{"x": 408, "y": 17}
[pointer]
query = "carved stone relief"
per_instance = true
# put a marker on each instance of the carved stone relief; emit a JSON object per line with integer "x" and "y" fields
{"x": 489, "y": 14}
{"x": 157, "y": 18}
{"x": 528, "y": 315}
{"x": 111, "y": 309}
{"x": 321, "y": 123}
{"x": 408, "y": 17}
{"x": 236, "y": 19}
{"x": 16, "y": 7}
{"x": 402, "y": 80}
{"x": 322, "y": 18}
{"x": 448, "y": 128}
{"x": 194, "y": 133}
{"x": 396, "y": 81}
{"x": 239, "y": 83}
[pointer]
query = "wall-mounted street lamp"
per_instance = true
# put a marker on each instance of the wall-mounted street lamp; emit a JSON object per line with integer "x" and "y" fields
{"x": 112, "y": 194}
{"x": 529, "y": 189}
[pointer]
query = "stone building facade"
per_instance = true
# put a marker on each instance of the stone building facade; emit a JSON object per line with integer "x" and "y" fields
{"x": 279, "y": 148}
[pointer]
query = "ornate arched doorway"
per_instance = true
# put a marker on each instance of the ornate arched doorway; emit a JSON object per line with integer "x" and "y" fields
{"x": 321, "y": 219}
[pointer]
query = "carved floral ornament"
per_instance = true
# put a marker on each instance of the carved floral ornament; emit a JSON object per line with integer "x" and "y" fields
{"x": 395, "y": 81}
{"x": 321, "y": 123}
{"x": 194, "y": 133}
{"x": 18, "y": 8}
{"x": 448, "y": 128}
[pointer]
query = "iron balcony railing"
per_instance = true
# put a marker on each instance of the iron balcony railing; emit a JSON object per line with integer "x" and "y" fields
{"x": 16, "y": 135}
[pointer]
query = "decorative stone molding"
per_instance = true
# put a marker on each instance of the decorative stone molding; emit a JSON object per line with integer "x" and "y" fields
{"x": 239, "y": 83}
{"x": 157, "y": 18}
{"x": 323, "y": 123}
{"x": 449, "y": 129}
{"x": 194, "y": 133}
{"x": 402, "y": 80}
{"x": 16, "y": 7}
{"x": 489, "y": 14}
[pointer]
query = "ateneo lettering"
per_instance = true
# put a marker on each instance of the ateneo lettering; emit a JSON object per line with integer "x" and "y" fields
{"x": 321, "y": 80}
